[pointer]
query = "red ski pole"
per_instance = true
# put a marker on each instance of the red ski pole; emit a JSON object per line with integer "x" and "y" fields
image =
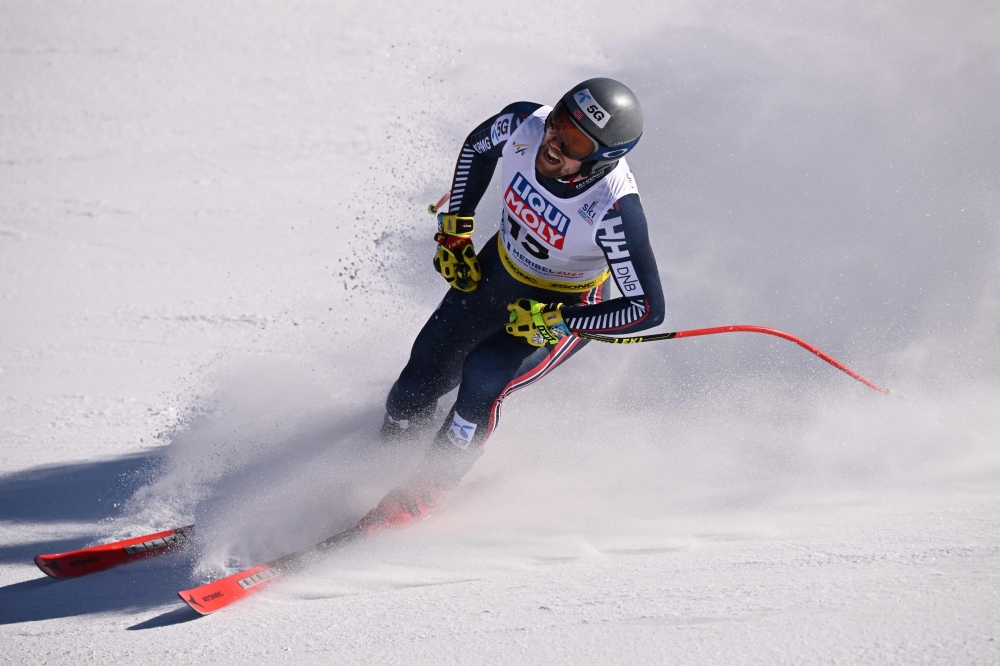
{"x": 434, "y": 208}
{"x": 741, "y": 329}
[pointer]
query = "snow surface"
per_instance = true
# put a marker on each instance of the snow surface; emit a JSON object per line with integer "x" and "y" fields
{"x": 214, "y": 254}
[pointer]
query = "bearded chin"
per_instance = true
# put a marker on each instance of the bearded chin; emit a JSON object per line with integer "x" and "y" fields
{"x": 546, "y": 169}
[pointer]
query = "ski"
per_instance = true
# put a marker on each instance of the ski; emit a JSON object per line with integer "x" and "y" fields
{"x": 226, "y": 591}
{"x": 98, "y": 558}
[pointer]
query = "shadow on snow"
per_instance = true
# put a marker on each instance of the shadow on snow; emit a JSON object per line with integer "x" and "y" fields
{"x": 75, "y": 492}
{"x": 175, "y": 616}
{"x": 136, "y": 587}
{"x": 82, "y": 492}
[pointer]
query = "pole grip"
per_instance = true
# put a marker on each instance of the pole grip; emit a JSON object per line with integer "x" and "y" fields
{"x": 434, "y": 208}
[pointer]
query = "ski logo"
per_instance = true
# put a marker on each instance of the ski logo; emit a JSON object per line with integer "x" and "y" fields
{"x": 521, "y": 148}
{"x": 587, "y": 212}
{"x": 528, "y": 206}
{"x": 589, "y": 105}
{"x": 461, "y": 432}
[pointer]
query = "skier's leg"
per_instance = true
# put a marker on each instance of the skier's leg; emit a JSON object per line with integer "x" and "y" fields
{"x": 434, "y": 368}
{"x": 460, "y": 322}
{"x": 493, "y": 370}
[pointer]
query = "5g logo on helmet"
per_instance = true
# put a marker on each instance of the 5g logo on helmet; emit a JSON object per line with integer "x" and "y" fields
{"x": 590, "y": 106}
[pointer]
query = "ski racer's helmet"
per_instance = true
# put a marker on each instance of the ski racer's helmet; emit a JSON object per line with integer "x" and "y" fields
{"x": 609, "y": 113}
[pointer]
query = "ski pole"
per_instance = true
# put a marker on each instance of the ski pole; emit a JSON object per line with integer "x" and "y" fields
{"x": 434, "y": 208}
{"x": 740, "y": 329}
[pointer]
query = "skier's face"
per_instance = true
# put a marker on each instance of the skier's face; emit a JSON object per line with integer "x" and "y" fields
{"x": 564, "y": 145}
{"x": 550, "y": 160}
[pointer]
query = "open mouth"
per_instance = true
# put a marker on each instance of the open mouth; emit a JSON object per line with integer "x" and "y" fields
{"x": 550, "y": 157}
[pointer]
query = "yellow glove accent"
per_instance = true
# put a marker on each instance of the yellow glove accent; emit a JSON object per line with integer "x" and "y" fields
{"x": 453, "y": 225}
{"x": 457, "y": 263}
{"x": 537, "y": 323}
{"x": 456, "y": 258}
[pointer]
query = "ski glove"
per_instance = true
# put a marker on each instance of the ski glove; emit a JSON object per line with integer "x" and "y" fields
{"x": 538, "y": 323}
{"x": 456, "y": 257}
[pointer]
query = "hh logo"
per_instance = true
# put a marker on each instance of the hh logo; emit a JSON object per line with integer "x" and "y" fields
{"x": 529, "y": 207}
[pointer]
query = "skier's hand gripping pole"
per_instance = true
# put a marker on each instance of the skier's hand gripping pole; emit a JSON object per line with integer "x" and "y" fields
{"x": 456, "y": 259}
{"x": 539, "y": 324}
{"x": 742, "y": 329}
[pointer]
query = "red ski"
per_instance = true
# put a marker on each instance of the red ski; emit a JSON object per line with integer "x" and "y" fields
{"x": 105, "y": 556}
{"x": 221, "y": 593}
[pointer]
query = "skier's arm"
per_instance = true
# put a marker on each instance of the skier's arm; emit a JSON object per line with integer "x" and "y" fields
{"x": 624, "y": 238}
{"x": 479, "y": 155}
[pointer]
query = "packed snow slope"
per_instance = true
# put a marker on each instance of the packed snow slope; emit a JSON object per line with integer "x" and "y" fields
{"x": 215, "y": 251}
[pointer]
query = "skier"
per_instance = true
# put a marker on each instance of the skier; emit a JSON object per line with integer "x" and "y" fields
{"x": 571, "y": 218}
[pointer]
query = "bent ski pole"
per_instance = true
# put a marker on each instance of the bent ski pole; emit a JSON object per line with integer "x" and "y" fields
{"x": 739, "y": 329}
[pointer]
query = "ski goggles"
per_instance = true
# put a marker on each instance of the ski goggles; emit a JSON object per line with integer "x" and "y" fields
{"x": 573, "y": 142}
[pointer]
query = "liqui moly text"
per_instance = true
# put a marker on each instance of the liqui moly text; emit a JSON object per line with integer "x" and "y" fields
{"x": 529, "y": 207}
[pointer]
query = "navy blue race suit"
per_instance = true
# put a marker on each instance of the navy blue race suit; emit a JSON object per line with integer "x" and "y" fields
{"x": 464, "y": 343}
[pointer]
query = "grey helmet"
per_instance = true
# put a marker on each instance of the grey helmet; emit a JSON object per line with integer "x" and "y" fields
{"x": 608, "y": 112}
